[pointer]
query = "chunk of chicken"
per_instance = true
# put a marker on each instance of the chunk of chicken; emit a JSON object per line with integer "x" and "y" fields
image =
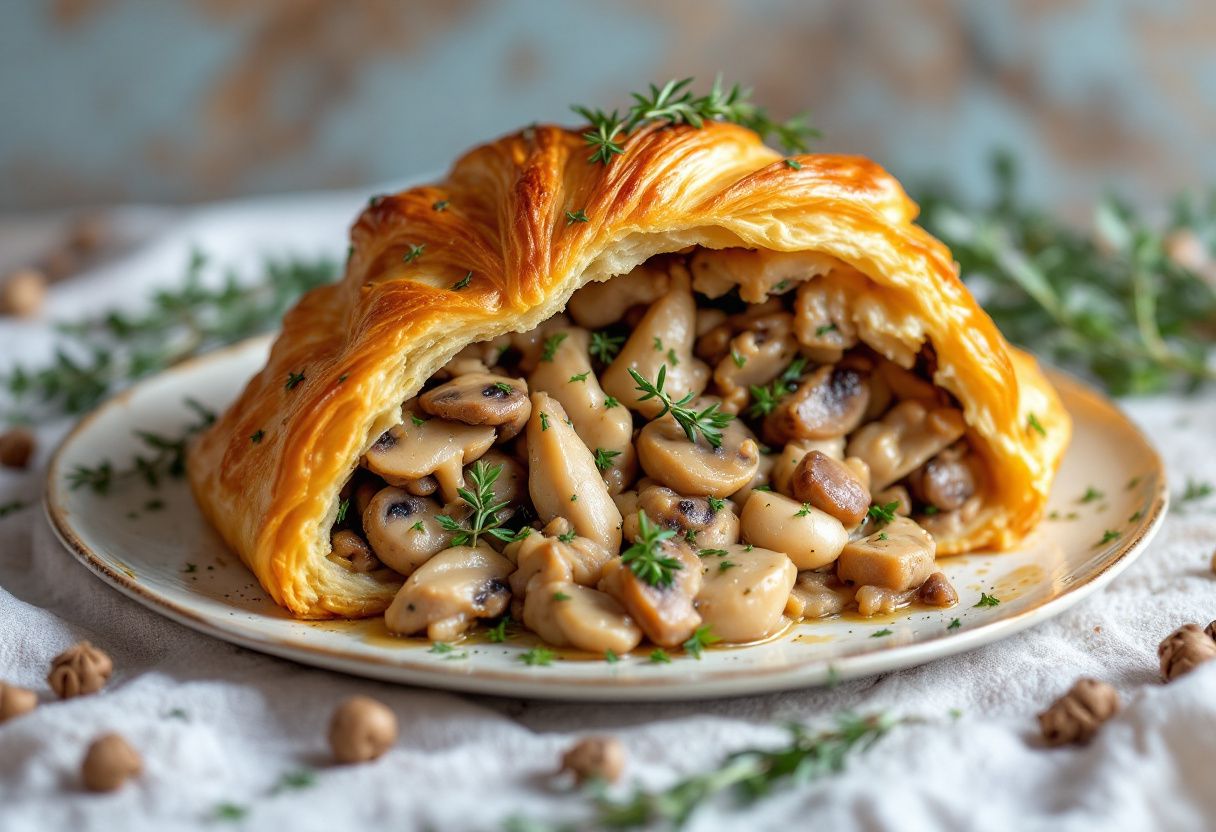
{"x": 756, "y": 357}
{"x": 907, "y": 437}
{"x": 810, "y": 537}
{"x": 757, "y": 272}
{"x": 664, "y": 337}
{"x": 665, "y": 614}
{"x": 450, "y": 592}
{"x": 822, "y": 318}
{"x": 607, "y": 431}
{"x": 600, "y": 304}
{"x": 553, "y": 555}
{"x": 818, "y": 595}
{"x": 563, "y": 479}
{"x": 744, "y": 592}
{"x": 831, "y": 486}
{"x": 898, "y": 557}
{"x": 565, "y": 613}
{"x": 830, "y": 402}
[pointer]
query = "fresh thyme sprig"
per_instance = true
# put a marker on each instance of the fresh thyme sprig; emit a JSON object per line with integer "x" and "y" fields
{"x": 102, "y": 353}
{"x": 480, "y": 497}
{"x": 709, "y": 421}
{"x": 645, "y": 557}
{"x": 1121, "y": 303}
{"x": 163, "y": 456}
{"x": 604, "y": 346}
{"x": 674, "y": 104}
{"x": 765, "y": 397}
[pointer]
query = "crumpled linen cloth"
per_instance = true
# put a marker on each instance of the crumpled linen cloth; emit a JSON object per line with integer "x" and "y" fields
{"x": 217, "y": 724}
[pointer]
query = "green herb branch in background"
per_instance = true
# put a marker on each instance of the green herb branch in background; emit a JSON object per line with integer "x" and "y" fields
{"x": 99, "y": 355}
{"x": 1120, "y": 304}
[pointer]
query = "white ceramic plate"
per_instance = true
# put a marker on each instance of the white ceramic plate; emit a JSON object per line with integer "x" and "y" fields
{"x": 155, "y": 547}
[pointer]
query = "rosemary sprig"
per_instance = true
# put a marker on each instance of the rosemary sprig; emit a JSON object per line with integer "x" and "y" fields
{"x": 674, "y": 104}
{"x": 485, "y": 519}
{"x": 102, "y": 353}
{"x": 1116, "y": 303}
{"x": 645, "y": 557}
{"x": 709, "y": 421}
{"x": 163, "y": 456}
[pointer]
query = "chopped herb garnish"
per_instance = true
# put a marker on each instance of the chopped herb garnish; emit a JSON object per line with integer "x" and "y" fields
{"x": 645, "y": 556}
{"x": 1032, "y": 422}
{"x": 441, "y": 648}
{"x": 804, "y": 511}
{"x": 954, "y": 624}
{"x": 229, "y": 812}
{"x": 538, "y": 657}
{"x": 658, "y": 344}
{"x": 295, "y": 781}
{"x": 418, "y": 527}
{"x": 740, "y": 360}
{"x": 610, "y": 402}
{"x": 659, "y": 656}
{"x": 257, "y": 436}
{"x": 481, "y": 498}
{"x": 1135, "y": 516}
{"x": 1196, "y": 490}
{"x": 463, "y": 282}
{"x": 343, "y": 507}
{"x": 441, "y": 205}
{"x": 881, "y": 633}
{"x": 691, "y": 536}
{"x": 498, "y": 633}
{"x": 699, "y": 640}
{"x": 576, "y": 216}
{"x": 604, "y": 347}
{"x": 190, "y": 568}
{"x": 566, "y": 537}
{"x": 762, "y": 487}
{"x": 418, "y": 421}
{"x": 1091, "y": 495}
{"x": 1108, "y": 536}
{"x": 611, "y": 657}
{"x": 560, "y": 596}
{"x": 550, "y": 345}
{"x": 987, "y": 600}
{"x": 293, "y": 380}
{"x": 883, "y": 536}
{"x": 793, "y": 164}
{"x": 708, "y": 422}
{"x": 884, "y": 513}
{"x": 413, "y": 252}
{"x": 579, "y": 377}
{"x": 821, "y": 331}
{"x": 766, "y": 397}
{"x": 716, "y": 504}
{"x": 604, "y": 457}
{"x": 712, "y": 553}
{"x": 726, "y": 564}
{"x": 504, "y": 387}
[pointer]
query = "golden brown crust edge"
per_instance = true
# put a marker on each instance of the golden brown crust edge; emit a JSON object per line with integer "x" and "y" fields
{"x": 369, "y": 342}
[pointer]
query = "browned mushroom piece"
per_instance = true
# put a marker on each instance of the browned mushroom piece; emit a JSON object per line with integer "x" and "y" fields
{"x": 16, "y": 448}
{"x": 448, "y": 593}
{"x": 665, "y": 614}
{"x": 831, "y": 486}
{"x": 350, "y": 551}
{"x": 937, "y": 591}
{"x": 830, "y": 402}
{"x": 569, "y": 614}
{"x": 481, "y": 399}
{"x": 744, "y": 592}
{"x": 945, "y": 482}
{"x": 423, "y": 446}
{"x": 898, "y": 557}
{"x": 906, "y": 438}
{"x": 555, "y": 554}
{"x": 817, "y": 595}
{"x": 697, "y": 467}
{"x": 402, "y": 529}
{"x": 703, "y": 522}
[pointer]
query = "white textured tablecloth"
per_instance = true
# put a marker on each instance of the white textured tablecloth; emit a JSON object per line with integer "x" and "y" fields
{"x": 218, "y": 724}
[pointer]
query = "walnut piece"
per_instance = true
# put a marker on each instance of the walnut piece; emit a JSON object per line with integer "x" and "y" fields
{"x": 1185, "y": 649}
{"x": 595, "y": 758}
{"x": 109, "y": 762}
{"x": 79, "y": 670}
{"x": 15, "y": 701}
{"x": 1076, "y": 716}
{"x": 16, "y": 448}
{"x": 361, "y": 730}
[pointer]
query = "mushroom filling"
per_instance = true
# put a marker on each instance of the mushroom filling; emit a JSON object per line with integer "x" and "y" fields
{"x": 714, "y": 444}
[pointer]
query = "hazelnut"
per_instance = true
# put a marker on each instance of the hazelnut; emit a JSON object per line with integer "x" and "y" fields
{"x": 15, "y": 701}
{"x": 109, "y": 762}
{"x": 16, "y": 448}
{"x": 22, "y": 293}
{"x": 1185, "y": 649}
{"x": 361, "y": 730}
{"x": 88, "y": 233}
{"x": 1076, "y": 716}
{"x": 80, "y": 669}
{"x": 595, "y": 758}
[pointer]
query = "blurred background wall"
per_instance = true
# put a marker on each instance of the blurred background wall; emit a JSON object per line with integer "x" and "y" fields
{"x": 176, "y": 101}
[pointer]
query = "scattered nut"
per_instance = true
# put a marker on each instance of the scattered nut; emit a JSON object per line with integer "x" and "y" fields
{"x": 361, "y": 730}
{"x": 1076, "y": 716}
{"x": 109, "y": 762}
{"x": 22, "y": 293}
{"x": 78, "y": 670}
{"x": 1185, "y": 649}
{"x": 16, "y": 448}
{"x": 15, "y": 701}
{"x": 595, "y": 758}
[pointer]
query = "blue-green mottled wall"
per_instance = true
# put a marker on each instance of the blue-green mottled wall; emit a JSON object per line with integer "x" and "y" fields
{"x": 177, "y": 100}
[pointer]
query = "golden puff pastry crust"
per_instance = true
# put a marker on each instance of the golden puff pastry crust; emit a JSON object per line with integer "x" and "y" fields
{"x": 500, "y": 256}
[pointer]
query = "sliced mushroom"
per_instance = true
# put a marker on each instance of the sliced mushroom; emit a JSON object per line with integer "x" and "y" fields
{"x": 665, "y": 614}
{"x": 563, "y": 479}
{"x": 607, "y": 431}
{"x": 450, "y": 592}
{"x": 755, "y": 357}
{"x": 937, "y": 591}
{"x": 567, "y": 614}
{"x": 831, "y": 486}
{"x": 481, "y": 399}
{"x": 898, "y": 557}
{"x": 810, "y": 537}
{"x": 822, "y": 316}
{"x": 556, "y": 554}
{"x": 818, "y": 595}
{"x": 829, "y": 403}
{"x": 352, "y": 552}
{"x": 693, "y": 519}
{"x": 744, "y": 592}
{"x": 697, "y": 467}
{"x": 786, "y": 462}
{"x": 907, "y": 437}
{"x": 402, "y": 529}
{"x": 422, "y": 446}
{"x": 663, "y": 338}
{"x": 945, "y": 482}
{"x": 511, "y": 484}
{"x": 756, "y": 272}
{"x": 599, "y": 304}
